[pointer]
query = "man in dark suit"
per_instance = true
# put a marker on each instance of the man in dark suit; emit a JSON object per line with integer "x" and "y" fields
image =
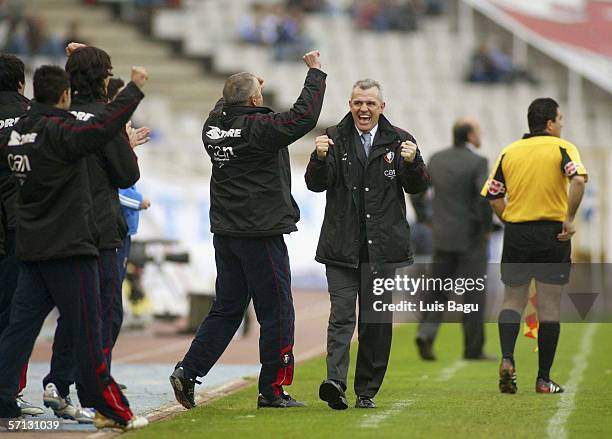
{"x": 365, "y": 165}
{"x": 461, "y": 223}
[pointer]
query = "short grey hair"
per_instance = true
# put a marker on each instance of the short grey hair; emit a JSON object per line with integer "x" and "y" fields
{"x": 239, "y": 88}
{"x": 368, "y": 83}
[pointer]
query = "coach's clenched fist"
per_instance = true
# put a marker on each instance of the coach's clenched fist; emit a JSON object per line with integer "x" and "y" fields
{"x": 139, "y": 76}
{"x": 322, "y": 144}
{"x": 409, "y": 151}
{"x": 313, "y": 59}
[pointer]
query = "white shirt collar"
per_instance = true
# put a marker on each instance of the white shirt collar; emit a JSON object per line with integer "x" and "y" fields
{"x": 372, "y": 131}
{"x": 471, "y": 147}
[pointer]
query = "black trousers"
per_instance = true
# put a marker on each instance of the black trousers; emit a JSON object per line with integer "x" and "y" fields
{"x": 63, "y": 371}
{"x": 345, "y": 286}
{"x": 451, "y": 265}
{"x": 72, "y": 285}
{"x": 256, "y": 268}
{"x": 9, "y": 272}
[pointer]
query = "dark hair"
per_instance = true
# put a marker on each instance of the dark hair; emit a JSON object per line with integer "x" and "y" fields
{"x": 461, "y": 131}
{"x": 88, "y": 67}
{"x": 540, "y": 112}
{"x": 11, "y": 72}
{"x": 114, "y": 85}
{"x": 49, "y": 84}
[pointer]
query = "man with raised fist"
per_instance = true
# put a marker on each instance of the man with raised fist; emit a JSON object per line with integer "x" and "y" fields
{"x": 365, "y": 164}
{"x": 251, "y": 208}
{"x": 46, "y": 152}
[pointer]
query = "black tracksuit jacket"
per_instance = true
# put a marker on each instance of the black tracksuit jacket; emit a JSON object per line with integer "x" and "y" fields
{"x": 12, "y": 106}
{"x": 46, "y": 151}
{"x": 250, "y": 188}
{"x": 114, "y": 166}
{"x": 365, "y": 215}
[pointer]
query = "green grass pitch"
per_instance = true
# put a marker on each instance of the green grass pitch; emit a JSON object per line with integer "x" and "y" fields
{"x": 424, "y": 399}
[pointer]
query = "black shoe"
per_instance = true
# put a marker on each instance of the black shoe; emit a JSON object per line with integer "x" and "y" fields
{"x": 507, "y": 376}
{"x": 425, "y": 346}
{"x": 547, "y": 386}
{"x": 332, "y": 393}
{"x": 183, "y": 387}
{"x": 365, "y": 402}
{"x": 284, "y": 400}
{"x": 9, "y": 409}
{"x": 481, "y": 357}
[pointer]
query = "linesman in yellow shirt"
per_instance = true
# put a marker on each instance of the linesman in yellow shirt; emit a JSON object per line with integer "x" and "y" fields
{"x": 528, "y": 190}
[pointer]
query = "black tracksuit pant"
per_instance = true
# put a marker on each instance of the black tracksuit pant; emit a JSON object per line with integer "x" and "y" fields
{"x": 71, "y": 284}
{"x": 9, "y": 272}
{"x": 256, "y": 268}
{"x": 63, "y": 370}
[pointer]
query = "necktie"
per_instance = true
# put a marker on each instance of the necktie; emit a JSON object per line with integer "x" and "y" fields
{"x": 366, "y": 138}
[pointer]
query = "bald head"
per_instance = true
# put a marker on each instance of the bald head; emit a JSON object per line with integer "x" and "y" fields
{"x": 240, "y": 88}
{"x": 466, "y": 129}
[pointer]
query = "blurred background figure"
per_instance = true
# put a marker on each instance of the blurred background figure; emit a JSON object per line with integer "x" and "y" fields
{"x": 490, "y": 64}
{"x": 461, "y": 221}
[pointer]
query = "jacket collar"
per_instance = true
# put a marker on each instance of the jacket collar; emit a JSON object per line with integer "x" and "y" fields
{"x": 237, "y": 110}
{"x": 11, "y": 97}
{"x": 536, "y": 134}
{"x": 47, "y": 110}
{"x": 79, "y": 99}
{"x": 385, "y": 135}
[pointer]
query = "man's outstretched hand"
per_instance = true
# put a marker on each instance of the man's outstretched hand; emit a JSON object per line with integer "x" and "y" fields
{"x": 313, "y": 59}
{"x": 139, "y": 76}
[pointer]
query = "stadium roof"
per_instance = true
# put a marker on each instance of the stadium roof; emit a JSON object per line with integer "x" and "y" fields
{"x": 578, "y": 33}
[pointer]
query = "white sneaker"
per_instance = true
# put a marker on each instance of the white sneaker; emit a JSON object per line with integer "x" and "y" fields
{"x": 27, "y": 408}
{"x": 63, "y": 408}
{"x": 101, "y": 421}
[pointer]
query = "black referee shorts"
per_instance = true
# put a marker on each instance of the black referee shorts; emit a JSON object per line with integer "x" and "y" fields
{"x": 532, "y": 250}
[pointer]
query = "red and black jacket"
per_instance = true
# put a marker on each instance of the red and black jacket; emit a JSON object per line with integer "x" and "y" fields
{"x": 46, "y": 152}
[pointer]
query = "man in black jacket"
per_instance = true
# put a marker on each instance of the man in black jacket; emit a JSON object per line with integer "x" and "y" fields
{"x": 13, "y": 105}
{"x": 251, "y": 209}
{"x": 46, "y": 151}
{"x": 365, "y": 164}
{"x": 114, "y": 166}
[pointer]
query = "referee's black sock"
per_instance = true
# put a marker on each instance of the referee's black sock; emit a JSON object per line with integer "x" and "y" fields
{"x": 548, "y": 336}
{"x": 509, "y": 323}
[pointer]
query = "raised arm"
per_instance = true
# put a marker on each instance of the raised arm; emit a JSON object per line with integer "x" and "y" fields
{"x": 75, "y": 139}
{"x": 282, "y": 129}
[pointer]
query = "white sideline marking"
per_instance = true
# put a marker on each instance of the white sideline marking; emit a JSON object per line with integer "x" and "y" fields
{"x": 565, "y": 407}
{"x": 372, "y": 421}
{"x": 447, "y": 373}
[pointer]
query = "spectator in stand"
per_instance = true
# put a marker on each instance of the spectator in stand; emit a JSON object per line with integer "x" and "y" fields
{"x": 490, "y": 64}
{"x": 34, "y": 40}
{"x": 73, "y": 34}
{"x": 387, "y": 15}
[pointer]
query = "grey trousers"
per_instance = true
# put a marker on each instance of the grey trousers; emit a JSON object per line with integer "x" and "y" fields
{"x": 345, "y": 286}
{"x": 470, "y": 264}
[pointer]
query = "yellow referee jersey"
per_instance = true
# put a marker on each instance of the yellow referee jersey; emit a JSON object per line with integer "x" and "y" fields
{"x": 534, "y": 173}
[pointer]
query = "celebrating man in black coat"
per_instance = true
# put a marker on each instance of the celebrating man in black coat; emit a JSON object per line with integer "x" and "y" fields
{"x": 251, "y": 208}
{"x": 365, "y": 164}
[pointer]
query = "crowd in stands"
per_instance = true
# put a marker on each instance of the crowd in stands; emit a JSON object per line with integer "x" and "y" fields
{"x": 492, "y": 65}
{"x": 279, "y": 26}
{"x": 28, "y": 36}
{"x": 393, "y": 15}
